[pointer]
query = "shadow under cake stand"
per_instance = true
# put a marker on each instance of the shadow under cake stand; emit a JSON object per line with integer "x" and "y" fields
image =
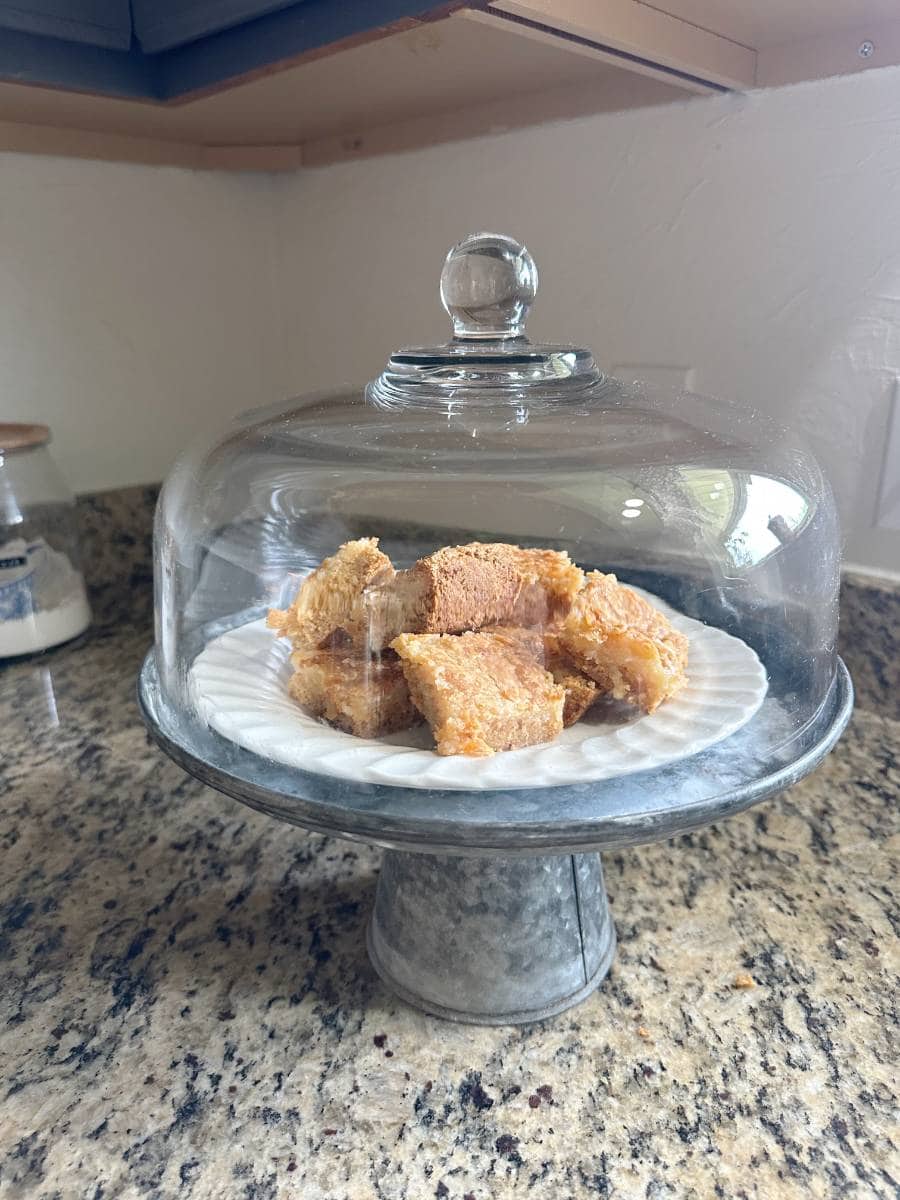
{"x": 491, "y": 906}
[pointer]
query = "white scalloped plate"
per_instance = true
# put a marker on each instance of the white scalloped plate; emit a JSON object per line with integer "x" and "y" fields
{"x": 240, "y": 681}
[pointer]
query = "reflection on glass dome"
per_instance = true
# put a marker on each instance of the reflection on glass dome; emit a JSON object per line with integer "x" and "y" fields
{"x": 766, "y": 515}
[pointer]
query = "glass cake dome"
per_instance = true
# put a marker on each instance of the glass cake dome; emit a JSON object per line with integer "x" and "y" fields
{"x": 460, "y": 459}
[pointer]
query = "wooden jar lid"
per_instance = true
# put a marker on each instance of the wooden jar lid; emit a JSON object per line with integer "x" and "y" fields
{"x": 22, "y": 437}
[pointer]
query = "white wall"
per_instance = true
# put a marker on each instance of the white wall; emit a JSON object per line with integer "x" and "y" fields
{"x": 755, "y": 238}
{"x": 137, "y": 304}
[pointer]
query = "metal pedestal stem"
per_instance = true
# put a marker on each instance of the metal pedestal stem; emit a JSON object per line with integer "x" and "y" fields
{"x": 491, "y": 941}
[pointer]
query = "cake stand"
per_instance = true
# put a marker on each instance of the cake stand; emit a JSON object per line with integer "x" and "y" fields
{"x": 490, "y": 906}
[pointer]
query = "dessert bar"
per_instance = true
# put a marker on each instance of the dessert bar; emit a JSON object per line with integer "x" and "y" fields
{"x": 364, "y": 696}
{"x": 623, "y": 643}
{"x": 463, "y": 588}
{"x": 329, "y": 598}
{"x": 480, "y": 692}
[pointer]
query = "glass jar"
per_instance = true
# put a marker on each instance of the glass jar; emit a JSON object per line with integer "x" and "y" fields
{"x": 43, "y": 601}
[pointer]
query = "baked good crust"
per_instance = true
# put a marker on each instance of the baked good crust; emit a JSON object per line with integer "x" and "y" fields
{"x": 361, "y": 695}
{"x": 581, "y": 692}
{"x": 624, "y": 644}
{"x": 480, "y": 692}
{"x": 330, "y": 598}
{"x": 463, "y": 588}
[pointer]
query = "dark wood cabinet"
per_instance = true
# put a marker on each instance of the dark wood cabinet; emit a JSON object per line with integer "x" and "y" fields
{"x": 88, "y": 22}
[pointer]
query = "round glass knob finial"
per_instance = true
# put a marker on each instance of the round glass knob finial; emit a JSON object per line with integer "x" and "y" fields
{"x": 487, "y": 286}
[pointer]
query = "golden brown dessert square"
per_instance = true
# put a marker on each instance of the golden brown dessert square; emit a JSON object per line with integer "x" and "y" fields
{"x": 553, "y": 575}
{"x": 361, "y": 695}
{"x": 329, "y": 599}
{"x": 580, "y": 691}
{"x": 480, "y": 692}
{"x": 623, "y": 643}
{"x": 462, "y": 588}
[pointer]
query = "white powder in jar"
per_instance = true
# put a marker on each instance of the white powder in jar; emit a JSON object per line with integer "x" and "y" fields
{"x": 42, "y": 598}
{"x": 41, "y": 630}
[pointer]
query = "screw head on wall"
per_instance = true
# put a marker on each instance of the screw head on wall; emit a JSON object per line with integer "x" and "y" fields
{"x": 866, "y": 49}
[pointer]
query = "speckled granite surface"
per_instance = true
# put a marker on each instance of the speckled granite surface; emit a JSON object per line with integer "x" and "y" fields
{"x": 186, "y": 1008}
{"x": 116, "y": 531}
{"x": 870, "y": 641}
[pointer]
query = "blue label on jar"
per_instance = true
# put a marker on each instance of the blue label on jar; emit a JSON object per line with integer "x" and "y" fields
{"x": 16, "y": 600}
{"x": 18, "y": 562}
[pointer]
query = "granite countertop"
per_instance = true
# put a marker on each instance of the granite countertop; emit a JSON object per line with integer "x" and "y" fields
{"x": 188, "y": 1010}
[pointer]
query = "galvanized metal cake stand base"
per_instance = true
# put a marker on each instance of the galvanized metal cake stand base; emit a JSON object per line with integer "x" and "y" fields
{"x": 494, "y": 941}
{"x": 491, "y": 907}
